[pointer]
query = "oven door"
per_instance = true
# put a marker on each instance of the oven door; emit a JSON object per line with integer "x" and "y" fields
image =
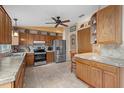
{"x": 39, "y": 59}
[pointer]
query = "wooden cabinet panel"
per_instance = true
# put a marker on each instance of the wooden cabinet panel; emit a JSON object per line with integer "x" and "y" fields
{"x": 110, "y": 80}
{"x": 84, "y": 41}
{"x": 23, "y": 39}
{"x": 20, "y": 76}
{"x": 97, "y": 74}
{"x": 5, "y": 27}
{"x": 2, "y": 18}
{"x": 58, "y": 37}
{"x": 36, "y": 37}
{"x": 109, "y": 25}
{"x": 96, "y": 77}
{"x": 30, "y": 39}
{"x": 29, "y": 59}
{"x": 50, "y": 57}
{"x": 42, "y": 37}
{"x": 79, "y": 70}
{"x": 7, "y": 85}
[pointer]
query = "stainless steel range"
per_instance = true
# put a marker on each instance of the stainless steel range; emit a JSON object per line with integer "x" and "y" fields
{"x": 39, "y": 57}
{"x": 39, "y": 54}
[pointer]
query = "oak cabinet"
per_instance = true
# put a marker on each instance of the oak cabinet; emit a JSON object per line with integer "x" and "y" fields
{"x": 50, "y": 57}
{"x": 7, "y": 85}
{"x": 5, "y": 27}
{"x": 29, "y": 59}
{"x": 42, "y": 38}
{"x": 109, "y": 25}
{"x": 30, "y": 39}
{"x": 110, "y": 80}
{"x": 23, "y": 39}
{"x": 20, "y": 76}
{"x": 97, "y": 74}
{"x": 84, "y": 41}
{"x": 96, "y": 77}
{"x": 2, "y": 29}
{"x": 79, "y": 70}
{"x": 58, "y": 38}
{"x": 36, "y": 37}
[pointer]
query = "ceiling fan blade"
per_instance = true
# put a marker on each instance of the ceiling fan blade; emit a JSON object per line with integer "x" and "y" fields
{"x": 51, "y": 23}
{"x": 54, "y": 19}
{"x": 65, "y": 21}
{"x": 64, "y": 24}
{"x": 56, "y": 25}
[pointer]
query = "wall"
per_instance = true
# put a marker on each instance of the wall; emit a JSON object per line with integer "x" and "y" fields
{"x": 67, "y": 38}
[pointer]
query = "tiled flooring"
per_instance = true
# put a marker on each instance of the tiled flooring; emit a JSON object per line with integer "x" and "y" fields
{"x": 55, "y": 75}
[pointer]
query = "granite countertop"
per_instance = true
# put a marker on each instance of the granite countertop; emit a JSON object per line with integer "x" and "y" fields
{"x": 107, "y": 60}
{"x": 9, "y": 67}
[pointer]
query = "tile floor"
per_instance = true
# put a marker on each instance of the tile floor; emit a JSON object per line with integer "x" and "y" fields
{"x": 55, "y": 75}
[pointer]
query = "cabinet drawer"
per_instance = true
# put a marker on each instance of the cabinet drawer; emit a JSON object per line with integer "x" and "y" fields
{"x": 87, "y": 62}
{"x": 106, "y": 67}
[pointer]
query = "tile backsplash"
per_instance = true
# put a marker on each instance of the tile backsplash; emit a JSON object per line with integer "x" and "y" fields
{"x": 111, "y": 50}
{"x": 5, "y": 48}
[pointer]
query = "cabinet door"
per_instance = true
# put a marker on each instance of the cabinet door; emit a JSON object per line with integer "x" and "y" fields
{"x": 8, "y": 30}
{"x": 58, "y": 37}
{"x": 50, "y": 57}
{"x": 36, "y": 37}
{"x": 95, "y": 77}
{"x": 79, "y": 70}
{"x": 42, "y": 38}
{"x": 110, "y": 80}
{"x": 84, "y": 75}
{"x": 2, "y": 26}
{"x": 29, "y": 59}
{"x": 23, "y": 39}
{"x": 30, "y": 39}
{"x": 84, "y": 41}
{"x": 107, "y": 21}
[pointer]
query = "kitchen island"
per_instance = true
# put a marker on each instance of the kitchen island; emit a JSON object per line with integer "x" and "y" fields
{"x": 12, "y": 70}
{"x": 99, "y": 71}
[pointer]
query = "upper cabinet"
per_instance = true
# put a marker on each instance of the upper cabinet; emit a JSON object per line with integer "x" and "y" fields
{"x": 109, "y": 25}
{"x": 5, "y": 27}
{"x": 83, "y": 39}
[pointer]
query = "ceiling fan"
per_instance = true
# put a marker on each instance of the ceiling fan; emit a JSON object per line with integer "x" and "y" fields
{"x": 58, "y": 22}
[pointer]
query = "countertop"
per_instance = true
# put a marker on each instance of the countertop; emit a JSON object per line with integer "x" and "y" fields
{"x": 106, "y": 60}
{"x": 9, "y": 67}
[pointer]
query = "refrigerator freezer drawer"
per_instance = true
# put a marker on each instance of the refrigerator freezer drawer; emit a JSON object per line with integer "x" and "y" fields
{"x": 60, "y": 58}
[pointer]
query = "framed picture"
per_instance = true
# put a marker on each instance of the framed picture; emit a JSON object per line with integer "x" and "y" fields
{"x": 73, "y": 28}
{"x": 73, "y": 41}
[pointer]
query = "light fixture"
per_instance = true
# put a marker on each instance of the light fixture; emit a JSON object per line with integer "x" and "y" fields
{"x": 15, "y": 32}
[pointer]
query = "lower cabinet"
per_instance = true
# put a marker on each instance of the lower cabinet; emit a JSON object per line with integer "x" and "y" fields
{"x": 20, "y": 76}
{"x": 96, "y": 77}
{"x": 7, "y": 85}
{"x": 29, "y": 59}
{"x": 50, "y": 57}
{"x": 97, "y": 74}
{"x": 79, "y": 70}
{"x": 110, "y": 80}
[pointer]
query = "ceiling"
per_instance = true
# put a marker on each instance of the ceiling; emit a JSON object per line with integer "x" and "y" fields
{"x": 38, "y": 15}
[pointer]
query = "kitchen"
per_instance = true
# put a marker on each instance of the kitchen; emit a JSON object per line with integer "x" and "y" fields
{"x": 92, "y": 48}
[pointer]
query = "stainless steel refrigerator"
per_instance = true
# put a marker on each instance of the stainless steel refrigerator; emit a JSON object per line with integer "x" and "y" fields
{"x": 59, "y": 48}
